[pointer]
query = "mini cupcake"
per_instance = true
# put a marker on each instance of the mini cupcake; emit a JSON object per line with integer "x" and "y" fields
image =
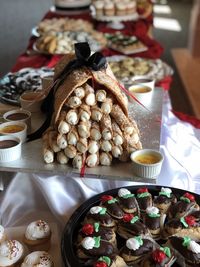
{"x": 11, "y": 253}
{"x": 165, "y": 199}
{"x": 128, "y": 201}
{"x": 38, "y": 236}
{"x": 38, "y": 258}
{"x": 131, "y": 7}
{"x": 99, "y": 8}
{"x": 120, "y": 9}
{"x": 109, "y": 9}
{"x": 2, "y": 234}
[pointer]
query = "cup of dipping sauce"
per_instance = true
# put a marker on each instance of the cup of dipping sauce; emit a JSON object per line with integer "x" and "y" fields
{"x": 32, "y": 101}
{"x": 46, "y": 81}
{"x": 14, "y": 128}
{"x": 10, "y": 148}
{"x": 141, "y": 92}
{"x": 144, "y": 81}
{"x": 146, "y": 163}
{"x": 20, "y": 115}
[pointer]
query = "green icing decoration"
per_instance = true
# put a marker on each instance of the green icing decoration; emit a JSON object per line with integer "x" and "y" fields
{"x": 185, "y": 199}
{"x": 135, "y": 219}
{"x": 105, "y": 259}
{"x": 112, "y": 201}
{"x": 167, "y": 251}
{"x": 165, "y": 194}
{"x": 139, "y": 240}
{"x": 128, "y": 196}
{"x": 186, "y": 241}
{"x": 103, "y": 211}
{"x": 145, "y": 194}
{"x": 182, "y": 220}
{"x": 96, "y": 227}
{"x": 153, "y": 215}
{"x": 97, "y": 241}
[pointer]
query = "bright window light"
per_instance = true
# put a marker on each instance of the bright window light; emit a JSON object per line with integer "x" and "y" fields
{"x": 162, "y": 9}
{"x": 167, "y": 24}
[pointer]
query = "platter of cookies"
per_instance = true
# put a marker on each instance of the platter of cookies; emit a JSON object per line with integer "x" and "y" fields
{"x": 134, "y": 226}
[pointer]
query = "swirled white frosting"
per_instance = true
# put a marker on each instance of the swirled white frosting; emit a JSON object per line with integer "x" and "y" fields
{"x": 10, "y": 252}
{"x": 37, "y": 230}
{"x": 152, "y": 210}
{"x": 95, "y": 209}
{"x": 2, "y": 231}
{"x": 194, "y": 247}
{"x": 37, "y": 258}
{"x": 166, "y": 190}
{"x": 132, "y": 244}
{"x": 123, "y": 191}
{"x": 88, "y": 243}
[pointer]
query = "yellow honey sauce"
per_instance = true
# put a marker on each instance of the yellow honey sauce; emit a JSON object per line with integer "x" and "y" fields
{"x": 12, "y": 129}
{"x": 147, "y": 159}
{"x": 140, "y": 90}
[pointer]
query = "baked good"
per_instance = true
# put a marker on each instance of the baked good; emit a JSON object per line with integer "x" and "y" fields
{"x": 184, "y": 206}
{"x": 109, "y": 8}
{"x": 165, "y": 199}
{"x": 128, "y": 201}
{"x": 2, "y": 234}
{"x": 38, "y": 258}
{"x": 11, "y": 253}
{"x": 135, "y": 249}
{"x": 160, "y": 257}
{"x": 144, "y": 198}
{"x": 112, "y": 206}
{"x": 38, "y": 236}
{"x": 115, "y": 261}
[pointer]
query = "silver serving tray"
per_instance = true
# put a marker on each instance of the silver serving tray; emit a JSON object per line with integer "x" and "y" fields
{"x": 150, "y": 128}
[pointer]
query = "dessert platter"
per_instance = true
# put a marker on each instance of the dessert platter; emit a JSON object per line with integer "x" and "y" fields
{"x": 14, "y": 84}
{"x": 134, "y": 226}
{"x": 125, "y": 68}
{"x": 72, "y": 3}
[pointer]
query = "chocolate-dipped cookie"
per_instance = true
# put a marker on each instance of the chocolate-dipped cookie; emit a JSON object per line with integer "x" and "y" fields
{"x": 99, "y": 214}
{"x": 144, "y": 198}
{"x": 131, "y": 226}
{"x": 128, "y": 201}
{"x": 135, "y": 249}
{"x": 184, "y": 206}
{"x": 186, "y": 250}
{"x": 165, "y": 199}
{"x": 160, "y": 257}
{"x": 96, "y": 229}
{"x": 112, "y": 206}
{"x": 105, "y": 261}
{"x": 92, "y": 247}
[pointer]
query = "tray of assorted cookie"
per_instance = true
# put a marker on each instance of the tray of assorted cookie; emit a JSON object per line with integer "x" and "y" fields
{"x": 134, "y": 226}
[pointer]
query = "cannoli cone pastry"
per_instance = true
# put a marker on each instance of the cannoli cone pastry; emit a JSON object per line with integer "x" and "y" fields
{"x": 78, "y": 161}
{"x": 112, "y": 206}
{"x": 70, "y": 151}
{"x": 62, "y": 158}
{"x": 186, "y": 250}
{"x": 144, "y": 198}
{"x": 131, "y": 226}
{"x": 165, "y": 199}
{"x": 48, "y": 153}
{"x": 105, "y": 261}
{"x": 99, "y": 214}
{"x": 160, "y": 257}
{"x": 88, "y": 104}
{"x": 184, "y": 206}
{"x": 135, "y": 249}
{"x": 128, "y": 201}
{"x": 95, "y": 229}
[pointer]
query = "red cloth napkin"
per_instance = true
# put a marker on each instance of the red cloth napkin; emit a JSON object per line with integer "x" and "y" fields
{"x": 187, "y": 118}
{"x": 165, "y": 83}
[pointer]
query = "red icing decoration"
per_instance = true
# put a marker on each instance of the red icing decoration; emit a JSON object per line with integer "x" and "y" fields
{"x": 142, "y": 190}
{"x": 127, "y": 217}
{"x": 100, "y": 264}
{"x": 190, "y": 220}
{"x": 105, "y": 198}
{"x": 88, "y": 229}
{"x": 158, "y": 256}
{"x": 189, "y": 196}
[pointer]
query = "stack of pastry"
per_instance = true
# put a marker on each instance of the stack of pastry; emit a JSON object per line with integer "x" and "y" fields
{"x": 90, "y": 122}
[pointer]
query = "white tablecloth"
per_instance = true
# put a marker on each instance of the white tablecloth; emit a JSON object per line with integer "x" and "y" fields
{"x": 54, "y": 198}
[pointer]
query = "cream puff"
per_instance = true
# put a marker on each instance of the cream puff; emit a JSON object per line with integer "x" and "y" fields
{"x": 128, "y": 201}
{"x": 11, "y": 253}
{"x": 112, "y": 206}
{"x": 38, "y": 258}
{"x": 144, "y": 198}
{"x": 165, "y": 199}
{"x": 38, "y": 236}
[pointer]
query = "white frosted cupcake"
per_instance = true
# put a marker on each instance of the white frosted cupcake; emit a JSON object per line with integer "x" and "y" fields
{"x": 131, "y": 7}
{"x": 99, "y": 8}
{"x": 38, "y": 236}
{"x": 38, "y": 258}
{"x": 11, "y": 253}
{"x": 2, "y": 234}
{"x": 109, "y": 9}
{"x": 120, "y": 9}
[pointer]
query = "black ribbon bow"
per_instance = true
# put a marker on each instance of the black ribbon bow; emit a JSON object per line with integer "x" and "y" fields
{"x": 94, "y": 62}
